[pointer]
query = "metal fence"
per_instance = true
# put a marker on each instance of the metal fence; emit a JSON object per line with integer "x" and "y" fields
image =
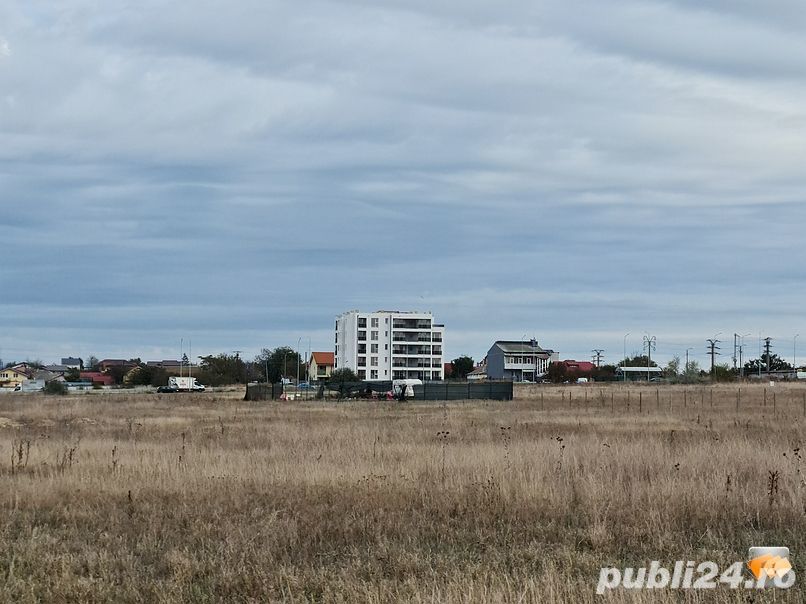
{"x": 428, "y": 391}
{"x": 462, "y": 391}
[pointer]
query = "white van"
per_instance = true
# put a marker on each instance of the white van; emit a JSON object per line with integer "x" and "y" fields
{"x": 405, "y": 387}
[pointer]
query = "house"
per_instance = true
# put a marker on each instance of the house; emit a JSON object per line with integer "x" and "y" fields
{"x": 169, "y": 365}
{"x": 57, "y": 369}
{"x": 638, "y": 373}
{"x": 73, "y": 363}
{"x": 320, "y": 366}
{"x": 107, "y": 364}
{"x": 390, "y": 345}
{"x": 46, "y": 376}
{"x": 578, "y": 367}
{"x": 447, "y": 370}
{"x": 11, "y": 377}
{"x": 518, "y": 361}
{"x": 479, "y": 372}
{"x": 96, "y": 377}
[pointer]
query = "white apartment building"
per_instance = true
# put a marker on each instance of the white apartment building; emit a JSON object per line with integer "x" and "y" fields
{"x": 390, "y": 345}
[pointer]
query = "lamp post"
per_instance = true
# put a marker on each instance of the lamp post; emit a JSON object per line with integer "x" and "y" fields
{"x": 299, "y": 357}
{"x": 795, "y": 354}
{"x": 624, "y": 358}
{"x": 685, "y": 371}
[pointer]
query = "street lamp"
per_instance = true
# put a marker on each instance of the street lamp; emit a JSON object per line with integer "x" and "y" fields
{"x": 523, "y": 352}
{"x": 299, "y": 342}
{"x": 795, "y": 354}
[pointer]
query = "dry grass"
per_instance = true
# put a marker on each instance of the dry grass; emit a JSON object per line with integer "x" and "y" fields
{"x": 204, "y": 498}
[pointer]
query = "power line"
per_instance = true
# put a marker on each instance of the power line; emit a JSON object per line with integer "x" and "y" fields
{"x": 597, "y": 356}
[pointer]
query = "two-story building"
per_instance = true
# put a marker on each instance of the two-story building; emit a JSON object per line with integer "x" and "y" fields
{"x": 11, "y": 377}
{"x": 320, "y": 366}
{"x": 516, "y": 361}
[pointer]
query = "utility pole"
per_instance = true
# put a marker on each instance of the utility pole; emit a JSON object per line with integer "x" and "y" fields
{"x": 650, "y": 342}
{"x": 735, "y": 348}
{"x": 597, "y": 356}
{"x": 712, "y": 345}
{"x": 624, "y": 360}
{"x": 237, "y": 354}
{"x": 767, "y": 348}
{"x": 795, "y": 355}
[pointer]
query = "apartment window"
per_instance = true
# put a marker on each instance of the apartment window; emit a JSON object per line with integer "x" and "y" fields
{"x": 362, "y": 322}
{"x": 373, "y": 361}
{"x": 374, "y": 335}
{"x": 362, "y": 335}
{"x": 362, "y": 361}
{"x": 337, "y": 336}
{"x": 362, "y": 375}
{"x": 375, "y": 322}
{"x": 386, "y": 346}
{"x": 373, "y": 375}
{"x": 362, "y": 349}
{"x": 385, "y": 334}
{"x": 374, "y": 348}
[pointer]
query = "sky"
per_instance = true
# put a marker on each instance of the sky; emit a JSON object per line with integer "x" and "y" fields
{"x": 237, "y": 174}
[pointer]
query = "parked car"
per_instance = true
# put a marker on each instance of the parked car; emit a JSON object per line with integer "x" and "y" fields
{"x": 304, "y": 386}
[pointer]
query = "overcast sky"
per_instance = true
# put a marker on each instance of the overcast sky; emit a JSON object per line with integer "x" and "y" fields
{"x": 238, "y": 173}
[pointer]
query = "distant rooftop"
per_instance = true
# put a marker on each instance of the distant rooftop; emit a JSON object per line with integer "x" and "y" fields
{"x": 518, "y": 346}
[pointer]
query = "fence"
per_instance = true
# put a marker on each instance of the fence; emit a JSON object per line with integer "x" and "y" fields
{"x": 428, "y": 391}
{"x": 462, "y": 391}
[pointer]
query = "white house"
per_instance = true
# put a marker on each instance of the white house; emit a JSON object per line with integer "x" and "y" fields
{"x": 390, "y": 345}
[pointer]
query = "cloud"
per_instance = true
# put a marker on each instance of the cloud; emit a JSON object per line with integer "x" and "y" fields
{"x": 573, "y": 170}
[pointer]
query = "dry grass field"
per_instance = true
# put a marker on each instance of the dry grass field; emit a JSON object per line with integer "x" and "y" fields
{"x": 206, "y": 498}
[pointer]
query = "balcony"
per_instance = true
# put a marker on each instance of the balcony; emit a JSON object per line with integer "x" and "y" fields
{"x": 411, "y": 337}
{"x": 411, "y": 350}
{"x": 411, "y": 324}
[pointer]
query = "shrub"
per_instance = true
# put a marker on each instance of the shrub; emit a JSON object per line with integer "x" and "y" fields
{"x": 55, "y": 387}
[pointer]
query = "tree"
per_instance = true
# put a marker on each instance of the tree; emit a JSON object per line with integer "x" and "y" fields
{"x": 557, "y": 373}
{"x": 723, "y": 373}
{"x": 672, "y": 369}
{"x": 55, "y": 387}
{"x": 691, "y": 372}
{"x": 637, "y": 361}
{"x": 342, "y": 375}
{"x": 605, "y": 373}
{"x": 461, "y": 366}
{"x": 776, "y": 364}
{"x": 72, "y": 375}
{"x": 280, "y": 362}
{"x": 217, "y": 370}
{"x": 144, "y": 375}
{"x": 92, "y": 362}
